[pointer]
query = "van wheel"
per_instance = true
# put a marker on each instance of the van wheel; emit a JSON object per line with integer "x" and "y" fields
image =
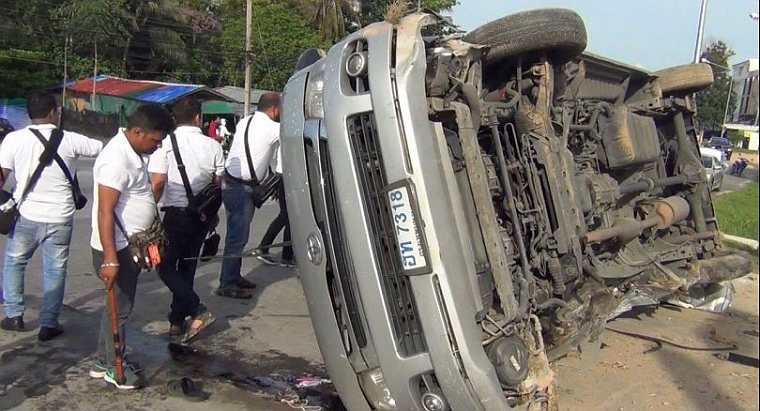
{"x": 685, "y": 79}
{"x": 559, "y": 31}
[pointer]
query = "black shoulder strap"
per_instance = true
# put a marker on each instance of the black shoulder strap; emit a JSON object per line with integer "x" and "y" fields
{"x": 72, "y": 179}
{"x": 120, "y": 225}
{"x": 182, "y": 171}
{"x": 51, "y": 148}
{"x": 254, "y": 179}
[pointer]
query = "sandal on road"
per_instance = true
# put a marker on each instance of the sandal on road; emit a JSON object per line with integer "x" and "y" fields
{"x": 198, "y": 324}
{"x": 187, "y": 389}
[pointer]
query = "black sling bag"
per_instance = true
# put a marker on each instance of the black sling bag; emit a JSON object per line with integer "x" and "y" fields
{"x": 208, "y": 201}
{"x": 263, "y": 189}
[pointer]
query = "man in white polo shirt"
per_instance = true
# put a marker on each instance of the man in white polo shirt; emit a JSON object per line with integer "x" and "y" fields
{"x": 123, "y": 196}
{"x": 263, "y": 135}
{"x": 203, "y": 162}
{"x": 46, "y": 213}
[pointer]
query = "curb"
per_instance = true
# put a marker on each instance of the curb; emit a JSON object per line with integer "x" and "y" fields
{"x": 740, "y": 242}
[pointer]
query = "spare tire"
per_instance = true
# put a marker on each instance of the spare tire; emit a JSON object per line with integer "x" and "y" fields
{"x": 685, "y": 79}
{"x": 559, "y": 31}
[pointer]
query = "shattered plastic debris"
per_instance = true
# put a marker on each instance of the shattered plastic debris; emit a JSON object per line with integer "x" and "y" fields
{"x": 633, "y": 298}
{"x": 714, "y": 297}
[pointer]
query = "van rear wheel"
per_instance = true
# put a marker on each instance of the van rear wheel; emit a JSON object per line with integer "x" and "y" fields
{"x": 685, "y": 79}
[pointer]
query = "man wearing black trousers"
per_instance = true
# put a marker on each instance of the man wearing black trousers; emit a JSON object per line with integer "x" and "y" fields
{"x": 280, "y": 222}
{"x": 203, "y": 163}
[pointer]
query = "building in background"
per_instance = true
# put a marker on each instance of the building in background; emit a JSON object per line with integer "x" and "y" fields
{"x": 98, "y": 106}
{"x": 742, "y": 123}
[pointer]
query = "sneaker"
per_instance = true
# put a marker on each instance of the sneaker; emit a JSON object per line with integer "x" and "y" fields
{"x": 99, "y": 369}
{"x": 267, "y": 259}
{"x": 131, "y": 379}
{"x": 288, "y": 263}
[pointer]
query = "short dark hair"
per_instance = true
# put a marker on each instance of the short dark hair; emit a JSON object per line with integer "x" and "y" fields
{"x": 151, "y": 117}
{"x": 186, "y": 110}
{"x": 268, "y": 100}
{"x": 39, "y": 105}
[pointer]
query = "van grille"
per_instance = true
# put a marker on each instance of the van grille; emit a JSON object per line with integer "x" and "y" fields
{"x": 329, "y": 214}
{"x": 401, "y": 306}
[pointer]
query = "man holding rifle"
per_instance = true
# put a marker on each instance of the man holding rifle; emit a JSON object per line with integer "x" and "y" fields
{"x": 124, "y": 208}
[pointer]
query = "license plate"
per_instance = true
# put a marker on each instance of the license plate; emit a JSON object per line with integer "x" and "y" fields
{"x": 411, "y": 246}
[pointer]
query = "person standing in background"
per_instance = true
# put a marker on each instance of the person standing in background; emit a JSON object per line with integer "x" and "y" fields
{"x": 222, "y": 133}
{"x": 46, "y": 213}
{"x": 213, "y": 128}
{"x": 262, "y": 131}
{"x": 280, "y": 222}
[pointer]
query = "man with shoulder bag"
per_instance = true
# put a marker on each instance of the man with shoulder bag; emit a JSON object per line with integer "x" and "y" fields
{"x": 40, "y": 212}
{"x": 126, "y": 234}
{"x": 248, "y": 183}
{"x": 187, "y": 170}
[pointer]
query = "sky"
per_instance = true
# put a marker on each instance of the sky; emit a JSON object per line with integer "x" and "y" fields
{"x": 652, "y": 34}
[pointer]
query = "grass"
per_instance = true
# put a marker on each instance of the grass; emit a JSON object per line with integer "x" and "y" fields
{"x": 738, "y": 212}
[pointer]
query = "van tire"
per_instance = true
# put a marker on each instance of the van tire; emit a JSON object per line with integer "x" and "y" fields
{"x": 559, "y": 31}
{"x": 685, "y": 79}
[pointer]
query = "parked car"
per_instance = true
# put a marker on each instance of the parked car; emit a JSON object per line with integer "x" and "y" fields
{"x": 722, "y": 144}
{"x": 5, "y": 128}
{"x": 467, "y": 208}
{"x": 715, "y": 168}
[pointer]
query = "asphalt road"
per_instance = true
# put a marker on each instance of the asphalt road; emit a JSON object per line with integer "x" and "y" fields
{"x": 272, "y": 333}
{"x": 269, "y": 333}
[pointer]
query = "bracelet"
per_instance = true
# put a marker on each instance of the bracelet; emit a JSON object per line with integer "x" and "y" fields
{"x": 109, "y": 265}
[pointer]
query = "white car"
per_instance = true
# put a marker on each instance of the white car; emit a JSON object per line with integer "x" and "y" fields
{"x": 715, "y": 168}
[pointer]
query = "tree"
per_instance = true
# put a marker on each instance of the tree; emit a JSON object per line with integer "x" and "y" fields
{"x": 374, "y": 10}
{"x": 279, "y": 36}
{"x": 711, "y": 103}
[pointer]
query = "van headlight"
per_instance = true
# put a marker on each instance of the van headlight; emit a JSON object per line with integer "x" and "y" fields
{"x": 315, "y": 89}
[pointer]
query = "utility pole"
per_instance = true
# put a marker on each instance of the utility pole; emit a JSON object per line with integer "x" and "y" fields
{"x": 94, "y": 77}
{"x": 248, "y": 56}
{"x": 700, "y": 32}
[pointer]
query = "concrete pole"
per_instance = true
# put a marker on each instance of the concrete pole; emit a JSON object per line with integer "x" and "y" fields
{"x": 248, "y": 56}
{"x": 700, "y": 32}
{"x": 94, "y": 76}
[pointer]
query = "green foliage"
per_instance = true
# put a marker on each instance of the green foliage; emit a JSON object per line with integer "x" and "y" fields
{"x": 193, "y": 41}
{"x": 278, "y": 38}
{"x": 738, "y": 212}
{"x": 711, "y": 103}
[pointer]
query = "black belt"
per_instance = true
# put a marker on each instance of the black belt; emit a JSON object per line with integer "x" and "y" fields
{"x": 236, "y": 179}
{"x": 183, "y": 210}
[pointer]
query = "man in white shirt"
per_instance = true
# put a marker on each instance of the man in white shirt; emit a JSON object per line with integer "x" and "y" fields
{"x": 263, "y": 134}
{"x": 124, "y": 204}
{"x": 46, "y": 213}
{"x": 185, "y": 228}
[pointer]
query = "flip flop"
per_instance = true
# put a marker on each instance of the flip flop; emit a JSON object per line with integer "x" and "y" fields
{"x": 206, "y": 319}
{"x": 187, "y": 389}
